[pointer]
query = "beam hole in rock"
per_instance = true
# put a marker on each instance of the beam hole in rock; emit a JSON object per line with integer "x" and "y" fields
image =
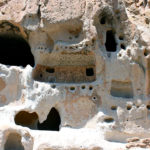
{"x": 15, "y": 50}
{"x": 27, "y": 119}
{"x": 52, "y": 122}
{"x": 113, "y": 107}
{"x": 89, "y": 72}
{"x": 53, "y": 86}
{"x": 94, "y": 98}
{"x": 83, "y": 87}
{"x": 90, "y": 88}
{"x": 121, "y": 89}
{"x": 13, "y": 142}
{"x": 111, "y": 45}
{"x": 108, "y": 119}
{"x": 72, "y": 88}
{"x": 129, "y": 107}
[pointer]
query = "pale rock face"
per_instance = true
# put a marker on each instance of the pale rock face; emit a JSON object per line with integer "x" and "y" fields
{"x": 74, "y": 74}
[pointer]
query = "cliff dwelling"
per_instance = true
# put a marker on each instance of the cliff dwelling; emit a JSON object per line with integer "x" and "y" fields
{"x": 74, "y": 74}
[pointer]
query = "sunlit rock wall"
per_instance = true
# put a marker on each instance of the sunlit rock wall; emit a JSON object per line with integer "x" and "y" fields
{"x": 74, "y": 74}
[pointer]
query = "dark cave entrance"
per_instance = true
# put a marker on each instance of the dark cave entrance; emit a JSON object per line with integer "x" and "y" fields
{"x": 15, "y": 50}
{"x": 111, "y": 45}
{"x": 52, "y": 122}
{"x": 30, "y": 120}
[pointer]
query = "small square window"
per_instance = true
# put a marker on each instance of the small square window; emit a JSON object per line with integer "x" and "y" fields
{"x": 89, "y": 72}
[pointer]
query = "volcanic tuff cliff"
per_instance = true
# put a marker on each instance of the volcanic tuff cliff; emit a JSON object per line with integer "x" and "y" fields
{"x": 74, "y": 74}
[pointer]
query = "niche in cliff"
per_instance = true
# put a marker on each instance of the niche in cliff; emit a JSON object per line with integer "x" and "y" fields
{"x": 15, "y": 50}
{"x": 13, "y": 142}
{"x": 111, "y": 45}
{"x": 30, "y": 120}
{"x": 52, "y": 122}
{"x": 26, "y": 119}
{"x": 121, "y": 89}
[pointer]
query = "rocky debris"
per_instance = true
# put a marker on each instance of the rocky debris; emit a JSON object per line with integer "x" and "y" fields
{"x": 136, "y": 142}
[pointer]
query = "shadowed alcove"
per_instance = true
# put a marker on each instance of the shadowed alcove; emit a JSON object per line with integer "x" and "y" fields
{"x": 30, "y": 120}
{"x": 13, "y": 142}
{"x": 27, "y": 119}
{"x": 15, "y": 50}
{"x": 52, "y": 122}
{"x": 111, "y": 45}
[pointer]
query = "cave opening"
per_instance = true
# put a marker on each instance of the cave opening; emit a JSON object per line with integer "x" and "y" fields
{"x": 13, "y": 142}
{"x": 52, "y": 122}
{"x": 15, "y": 50}
{"x": 31, "y": 120}
{"x": 111, "y": 45}
{"x": 26, "y": 119}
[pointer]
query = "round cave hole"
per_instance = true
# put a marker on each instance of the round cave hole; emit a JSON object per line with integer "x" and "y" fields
{"x": 15, "y": 50}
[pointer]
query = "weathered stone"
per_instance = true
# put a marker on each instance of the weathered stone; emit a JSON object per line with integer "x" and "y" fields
{"x": 83, "y": 71}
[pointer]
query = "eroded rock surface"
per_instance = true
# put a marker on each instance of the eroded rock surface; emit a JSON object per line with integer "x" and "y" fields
{"x": 74, "y": 74}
